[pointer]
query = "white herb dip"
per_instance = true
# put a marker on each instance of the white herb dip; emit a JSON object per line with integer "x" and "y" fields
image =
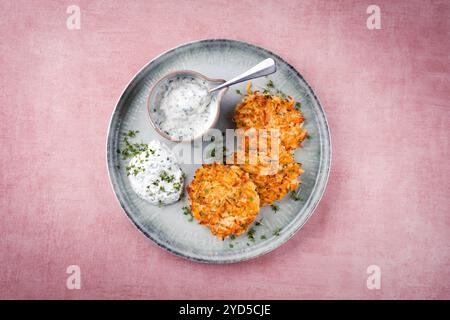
{"x": 155, "y": 175}
{"x": 185, "y": 108}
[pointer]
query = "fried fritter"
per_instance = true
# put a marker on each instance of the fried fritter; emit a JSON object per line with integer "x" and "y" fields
{"x": 273, "y": 171}
{"x": 224, "y": 199}
{"x": 263, "y": 111}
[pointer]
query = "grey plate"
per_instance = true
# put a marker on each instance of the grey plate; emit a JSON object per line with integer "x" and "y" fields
{"x": 168, "y": 227}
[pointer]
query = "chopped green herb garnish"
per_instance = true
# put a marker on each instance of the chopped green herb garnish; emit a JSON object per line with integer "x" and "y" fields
{"x": 238, "y": 91}
{"x": 177, "y": 186}
{"x": 232, "y": 236}
{"x": 275, "y": 208}
{"x": 297, "y": 105}
{"x": 131, "y": 149}
{"x": 294, "y": 196}
{"x": 258, "y": 223}
{"x": 132, "y": 133}
{"x": 231, "y": 245}
{"x": 263, "y": 237}
{"x": 271, "y": 90}
{"x": 251, "y": 234}
{"x": 165, "y": 177}
{"x": 187, "y": 212}
{"x": 213, "y": 152}
{"x": 276, "y": 232}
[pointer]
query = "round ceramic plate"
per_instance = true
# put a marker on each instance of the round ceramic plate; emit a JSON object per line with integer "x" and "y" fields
{"x": 168, "y": 226}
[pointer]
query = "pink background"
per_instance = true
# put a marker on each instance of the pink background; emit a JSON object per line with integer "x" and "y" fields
{"x": 386, "y": 93}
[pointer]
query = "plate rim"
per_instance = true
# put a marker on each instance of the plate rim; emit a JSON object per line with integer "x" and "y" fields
{"x": 249, "y": 255}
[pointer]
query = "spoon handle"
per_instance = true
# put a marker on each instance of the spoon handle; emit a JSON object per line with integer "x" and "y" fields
{"x": 263, "y": 68}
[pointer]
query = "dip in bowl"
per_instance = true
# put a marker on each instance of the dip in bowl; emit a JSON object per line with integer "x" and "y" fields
{"x": 181, "y": 106}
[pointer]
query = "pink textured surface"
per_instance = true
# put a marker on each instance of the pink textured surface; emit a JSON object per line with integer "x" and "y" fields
{"x": 386, "y": 93}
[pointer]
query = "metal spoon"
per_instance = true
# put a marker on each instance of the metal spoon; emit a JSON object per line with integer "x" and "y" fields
{"x": 262, "y": 69}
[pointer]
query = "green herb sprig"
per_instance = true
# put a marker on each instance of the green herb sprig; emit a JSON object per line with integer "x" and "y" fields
{"x": 187, "y": 212}
{"x": 251, "y": 234}
{"x": 277, "y": 232}
{"x": 294, "y": 196}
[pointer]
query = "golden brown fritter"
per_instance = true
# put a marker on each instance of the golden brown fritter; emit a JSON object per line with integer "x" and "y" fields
{"x": 273, "y": 171}
{"x": 224, "y": 199}
{"x": 263, "y": 111}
